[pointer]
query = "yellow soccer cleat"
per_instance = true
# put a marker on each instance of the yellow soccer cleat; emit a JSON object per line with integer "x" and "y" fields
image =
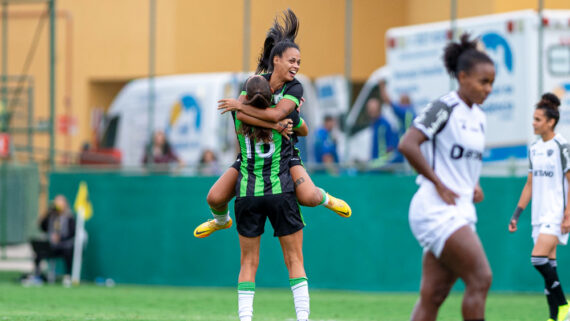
{"x": 550, "y": 319}
{"x": 563, "y": 312}
{"x": 338, "y": 206}
{"x": 209, "y": 227}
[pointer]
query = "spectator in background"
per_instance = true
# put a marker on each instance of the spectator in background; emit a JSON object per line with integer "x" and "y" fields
{"x": 384, "y": 138}
{"x": 209, "y": 163}
{"x": 160, "y": 151}
{"x": 325, "y": 145}
{"x": 59, "y": 224}
{"x": 403, "y": 109}
{"x": 325, "y": 142}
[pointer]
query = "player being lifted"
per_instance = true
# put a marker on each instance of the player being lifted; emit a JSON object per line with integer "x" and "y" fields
{"x": 279, "y": 62}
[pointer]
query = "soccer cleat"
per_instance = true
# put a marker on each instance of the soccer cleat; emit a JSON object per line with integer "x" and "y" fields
{"x": 563, "y": 312}
{"x": 338, "y": 206}
{"x": 209, "y": 227}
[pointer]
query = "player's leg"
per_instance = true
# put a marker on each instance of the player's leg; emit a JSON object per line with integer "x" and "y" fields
{"x": 564, "y": 309}
{"x": 436, "y": 283}
{"x": 310, "y": 195}
{"x": 463, "y": 255}
{"x": 246, "y": 281}
{"x": 544, "y": 250}
{"x": 219, "y": 196}
{"x": 292, "y": 246}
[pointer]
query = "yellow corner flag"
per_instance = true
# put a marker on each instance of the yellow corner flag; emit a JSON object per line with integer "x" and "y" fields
{"x": 82, "y": 204}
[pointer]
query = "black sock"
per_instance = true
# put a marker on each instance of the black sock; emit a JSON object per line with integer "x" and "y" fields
{"x": 545, "y": 269}
{"x": 557, "y": 292}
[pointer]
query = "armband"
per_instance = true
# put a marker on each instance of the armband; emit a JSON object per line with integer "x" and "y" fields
{"x": 517, "y": 214}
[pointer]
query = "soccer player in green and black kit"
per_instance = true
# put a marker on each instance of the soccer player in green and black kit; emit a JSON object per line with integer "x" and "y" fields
{"x": 265, "y": 190}
{"x": 280, "y": 60}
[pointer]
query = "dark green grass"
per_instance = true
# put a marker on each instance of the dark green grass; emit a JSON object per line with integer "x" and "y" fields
{"x": 90, "y": 302}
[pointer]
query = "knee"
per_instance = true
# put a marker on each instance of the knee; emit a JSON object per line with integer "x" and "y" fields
{"x": 434, "y": 295}
{"x": 214, "y": 199}
{"x": 480, "y": 282}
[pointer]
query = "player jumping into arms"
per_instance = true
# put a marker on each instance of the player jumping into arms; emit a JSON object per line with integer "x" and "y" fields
{"x": 279, "y": 62}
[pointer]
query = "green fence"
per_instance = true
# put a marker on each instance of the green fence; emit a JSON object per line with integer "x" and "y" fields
{"x": 19, "y": 195}
{"x": 141, "y": 232}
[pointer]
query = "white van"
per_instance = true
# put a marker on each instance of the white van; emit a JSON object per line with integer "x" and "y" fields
{"x": 186, "y": 110}
{"x": 414, "y": 67}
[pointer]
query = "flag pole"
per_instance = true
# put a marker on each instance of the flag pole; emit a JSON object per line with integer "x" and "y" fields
{"x": 78, "y": 246}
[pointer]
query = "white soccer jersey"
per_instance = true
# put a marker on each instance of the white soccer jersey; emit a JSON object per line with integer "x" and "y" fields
{"x": 456, "y": 140}
{"x": 548, "y": 162}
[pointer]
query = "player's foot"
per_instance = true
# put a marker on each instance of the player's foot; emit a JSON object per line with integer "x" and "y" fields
{"x": 563, "y": 312}
{"x": 209, "y": 227}
{"x": 338, "y": 206}
{"x": 550, "y": 319}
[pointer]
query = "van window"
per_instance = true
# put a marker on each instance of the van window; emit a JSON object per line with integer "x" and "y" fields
{"x": 108, "y": 138}
{"x": 559, "y": 60}
{"x": 363, "y": 120}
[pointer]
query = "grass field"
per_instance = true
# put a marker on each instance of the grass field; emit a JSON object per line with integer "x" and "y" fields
{"x": 91, "y": 302}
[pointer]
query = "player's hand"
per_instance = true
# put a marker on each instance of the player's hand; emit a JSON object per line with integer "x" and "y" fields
{"x": 478, "y": 194}
{"x": 447, "y": 195}
{"x": 565, "y": 226}
{"x": 228, "y": 104}
{"x": 285, "y": 128}
{"x": 513, "y": 226}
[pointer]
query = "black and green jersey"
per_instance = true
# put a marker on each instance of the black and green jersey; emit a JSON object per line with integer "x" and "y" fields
{"x": 264, "y": 168}
{"x": 292, "y": 90}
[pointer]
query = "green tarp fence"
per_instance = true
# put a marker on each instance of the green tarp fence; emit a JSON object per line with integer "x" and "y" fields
{"x": 141, "y": 232}
{"x": 19, "y": 195}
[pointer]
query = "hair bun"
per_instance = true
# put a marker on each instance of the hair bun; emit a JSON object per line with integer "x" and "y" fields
{"x": 550, "y": 99}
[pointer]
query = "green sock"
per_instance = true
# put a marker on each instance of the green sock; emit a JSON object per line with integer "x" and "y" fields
{"x": 246, "y": 291}
{"x": 325, "y": 200}
{"x": 221, "y": 217}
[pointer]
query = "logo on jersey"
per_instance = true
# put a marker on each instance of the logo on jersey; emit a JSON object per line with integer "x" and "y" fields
{"x": 549, "y": 152}
{"x": 458, "y": 152}
{"x": 440, "y": 117}
{"x": 542, "y": 173}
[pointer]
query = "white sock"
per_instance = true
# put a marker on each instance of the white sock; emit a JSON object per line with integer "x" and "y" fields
{"x": 300, "y": 288}
{"x": 221, "y": 219}
{"x": 246, "y": 291}
{"x": 326, "y": 198}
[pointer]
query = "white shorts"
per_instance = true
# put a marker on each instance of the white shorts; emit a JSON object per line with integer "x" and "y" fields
{"x": 432, "y": 223}
{"x": 551, "y": 229}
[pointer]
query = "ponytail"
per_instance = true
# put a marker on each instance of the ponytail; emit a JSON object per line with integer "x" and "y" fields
{"x": 280, "y": 37}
